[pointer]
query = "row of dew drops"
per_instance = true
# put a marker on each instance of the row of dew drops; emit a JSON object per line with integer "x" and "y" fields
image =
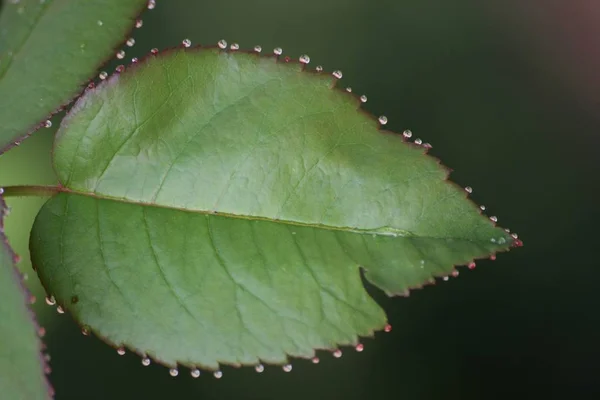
{"x": 304, "y": 59}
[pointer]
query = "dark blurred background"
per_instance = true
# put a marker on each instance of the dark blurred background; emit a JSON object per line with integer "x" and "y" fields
{"x": 508, "y": 93}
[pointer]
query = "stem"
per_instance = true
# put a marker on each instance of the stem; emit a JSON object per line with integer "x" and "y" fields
{"x": 26, "y": 190}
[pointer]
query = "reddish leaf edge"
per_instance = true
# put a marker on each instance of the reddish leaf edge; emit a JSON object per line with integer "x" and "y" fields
{"x": 358, "y": 346}
{"x": 28, "y": 298}
{"x": 81, "y": 87}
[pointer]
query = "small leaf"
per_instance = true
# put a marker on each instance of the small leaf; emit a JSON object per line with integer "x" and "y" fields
{"x": 216, "y": 207}
{"x": 48, "y": 50}
{"x": 21, "y": 365}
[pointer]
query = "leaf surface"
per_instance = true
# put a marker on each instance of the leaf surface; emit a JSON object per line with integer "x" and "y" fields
{"x": 49, "y": 49}
{"x": 217, "y": 207}
{"x": 21, "y": 367}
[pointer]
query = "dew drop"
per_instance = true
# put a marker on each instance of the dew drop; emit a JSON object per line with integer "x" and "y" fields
{"x": 173, "y": 372}
{"x": 48, "y": 124}
{"x": 469, "y": 189}
{"x": 407, "y": 133}
{"x": 349, "y": 89}
{"x": 47, "y": 357}
{"x": 222, "y": 44}
{"x": 455, "y": 273}
{"x": 383, "y": 120}
{"x": 121, "y": 55}
{"x": 145, "y": 361}
{"x": 277, "y": 51}
{"x": 60, "y": 310}
{"x": 338, "y": 74}
{"x": 41, "y": 331}
{"x": 493, "y": 257}
{"x": 218, "y": 374}
{"x": 130, "y": 42}
{"x": 418, "y": 141}
{"x": 50, "y": 300}
{"x": 186, "y": 42}
{"x": 85, "y": 331}
{"x": 319, "y": 68}
{"x": 100, "y": 23}
{"x": 388, "y": 328}
{"x": 154, "y": 51}
{"x": 337, "y": 353}
{"x": 134, "y": 60}
{"x": 507, "y": 230}
{"x": 195, "y": 373}
{"x": 257, "y": 48}
{"x": 103, "y": 75}
{"x": 427, "y": 145}
{"x": 514, "y": 236}
{"x": 472, "y": 265}
{"x": 121, "y": 351}
{"x": 259, "y": 368}
{"x": 482, "y": 208}
{"x": 494, "y": 219}
{"x": 139, "y": 23}
{"x": 287, "y": 367}
{"x": 363, "y": 98}
{"x": 120, "y": 68}
{"x": 315, "y": 360}
{"x": 360, "y": 347}
{"x": 151, "y": 4}
{"x": 304, "y": 59}
{"x": 493, "y": 240}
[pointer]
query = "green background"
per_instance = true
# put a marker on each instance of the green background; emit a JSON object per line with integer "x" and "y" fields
{"x": 507, "y": 93}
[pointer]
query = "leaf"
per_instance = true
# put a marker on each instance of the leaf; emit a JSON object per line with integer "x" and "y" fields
{"x": 49, "y": 49}
{"x": 216, "y": 208}
{"x": 21, "y": 367}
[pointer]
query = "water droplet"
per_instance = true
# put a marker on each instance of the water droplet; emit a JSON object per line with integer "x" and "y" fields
{"x": 154, "y": 51}
{"x": 134, "y": 60}
{"x": 85, "y": 330}
{"x": 195, "y": 373}
{"x": 337, "y": 353}
{"x": 139, "y": 23}
{"x": 257, "y": 48}
{"x": 445, "y": 278}
{"x": 482, "y": 208}
{"x": 222, "y": 44}
{"x": 130, "y": 42}
{"x": 383, "y": 120}
{"x": 493, "y": 240}
{"x": 319, "y": 68}
{"x": 259, "y": 368}
{"x": 469, "y": 189}
{"x": 60, "y": 310}
{"x": 494, "y": 219}
{"x": 315, "y": 360}
{"x": 120, "y": 68}
{"x": 493, "y": 257}
{"x": 47, "y": 357}
{"x": 360, "y": 347}
{"x": 145, "y": 361}
{"x": 507, "y": 230}
{"x": 103, "y": 75}
{"x": 304, "y": 59}
{"x": 50, "y": 300}
{"x": 121, "y": 351}
{"x": 287, "y": 59}
{"x": 518, "y": 243}
{"x": 41, "y": 331}
{"x": 472, "y": 265}
{"x": 48, "y": 124}
{"x": 388, "y": 328}
{"x": 218, "y": 374}
{"x": 338, "y": 74}
{"x": 427, "y": 145}
{"x": 234, "y": 46}
{"x": 277, "y": 51}
{"x": 455, "y": 273}
{"x": 407, "y": 133}
{"x": 363, "y": 98}
{"x": 173, "y": 372}
{"x": 186, "y": 42}
{"x": 287, "y": 367}
{"x": 418, "y": 141}
{"x": 151, "y": 4}
{"x": 100, "y": 23}
{"x": 515, "y": 236}
{"x": 349, "y": 89}
{"x": 121, "y": 55}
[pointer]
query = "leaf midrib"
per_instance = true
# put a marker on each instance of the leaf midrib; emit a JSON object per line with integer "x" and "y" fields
{"x": 20, "y": 46}
{"x": 381, "y": 231}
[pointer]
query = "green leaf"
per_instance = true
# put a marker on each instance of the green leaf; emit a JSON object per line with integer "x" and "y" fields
{"x": 217, "y": 207}
{"x": 49, "y": 49}
{"x": 21, "y": 366}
